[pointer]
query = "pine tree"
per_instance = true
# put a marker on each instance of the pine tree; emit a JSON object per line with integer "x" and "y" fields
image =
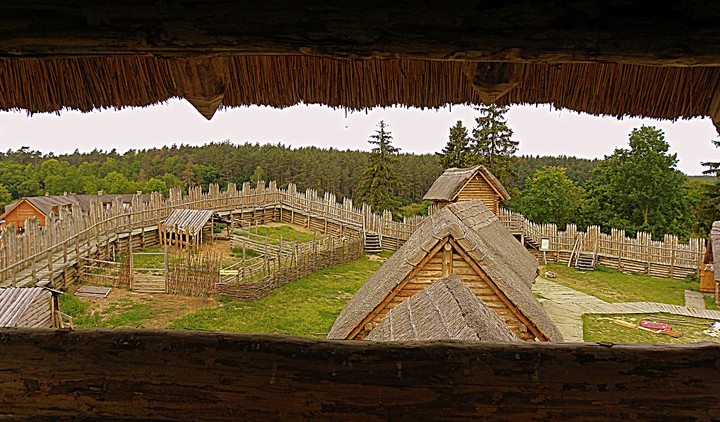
{"x": 492, "y": 145}
{"x": 457, "y": 150}
{"x": 379, "y": 184}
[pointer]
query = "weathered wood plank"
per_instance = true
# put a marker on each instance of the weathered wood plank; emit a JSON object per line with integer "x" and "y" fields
{"x": 622, "y": 31}
{"x": 148, "y": 374}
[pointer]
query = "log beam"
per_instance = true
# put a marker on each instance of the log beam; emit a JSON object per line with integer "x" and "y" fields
{"x": 154, "y": 374}
{"x": 624, "y": 31}
{"x": 493, "y": 80}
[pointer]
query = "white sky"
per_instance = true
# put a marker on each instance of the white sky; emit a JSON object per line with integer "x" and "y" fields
{"x": 540, "y": 130}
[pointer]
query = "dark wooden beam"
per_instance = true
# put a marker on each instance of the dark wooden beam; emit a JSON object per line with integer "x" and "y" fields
{"x": 625, "y": 31}
{"x": 149, "y": 374}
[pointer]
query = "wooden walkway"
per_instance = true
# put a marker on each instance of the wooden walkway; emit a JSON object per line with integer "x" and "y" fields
{"x": 566, "y": 306}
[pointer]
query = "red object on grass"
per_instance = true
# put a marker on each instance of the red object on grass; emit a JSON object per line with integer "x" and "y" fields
{"x": 658, "y": 326}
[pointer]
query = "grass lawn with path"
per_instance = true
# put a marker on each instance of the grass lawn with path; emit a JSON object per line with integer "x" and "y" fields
{"x": 306, "y": 307}
{"x": 614, "y": 286}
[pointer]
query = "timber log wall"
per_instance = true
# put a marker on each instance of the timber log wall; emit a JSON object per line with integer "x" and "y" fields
{"x": 195, "y": 375}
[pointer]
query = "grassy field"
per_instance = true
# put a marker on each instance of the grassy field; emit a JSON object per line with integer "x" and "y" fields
{"x": 288, "y": 233}
{"x": 614, "y": 286}
{"x": 123, "y": 312}
{"x": 601, "y": 328}
{"x": 307, "y": 307}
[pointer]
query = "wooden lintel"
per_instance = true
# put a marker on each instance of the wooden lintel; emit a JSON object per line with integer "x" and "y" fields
{"x": 202, "y": 82}
{"x": 493, "y": 80}
{"x": 191, "y": 375}
{"x": 623, "y": 31}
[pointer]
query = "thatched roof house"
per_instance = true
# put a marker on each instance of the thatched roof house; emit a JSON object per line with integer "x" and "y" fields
{"x": 464, "y": 184}
{"x": 467, "y": 239}
{"x": 446, "y": 310}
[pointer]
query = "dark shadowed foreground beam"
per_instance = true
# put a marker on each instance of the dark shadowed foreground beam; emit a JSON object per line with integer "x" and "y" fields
{"x": 622, "y": 31}
{"x": 201, "y": 375}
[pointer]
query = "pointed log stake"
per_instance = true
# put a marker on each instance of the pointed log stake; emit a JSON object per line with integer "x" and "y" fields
{"x": 201, "y": 82}
{"x": 493, "y": 80}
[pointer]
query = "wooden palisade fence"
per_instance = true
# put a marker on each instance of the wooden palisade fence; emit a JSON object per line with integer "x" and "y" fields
{"x": 50, "y": 255}
{"x": 639, "y": 255}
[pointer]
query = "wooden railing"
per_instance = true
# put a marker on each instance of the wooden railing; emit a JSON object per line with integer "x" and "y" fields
{"x": 40, "y": 253}
{"x": 641, "y": 254}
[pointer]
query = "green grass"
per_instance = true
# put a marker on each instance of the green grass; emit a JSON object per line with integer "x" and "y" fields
{"x": 121, "y": 313}
{"x": 601, "y": 328}
{"x": 306, "y": 307}
{"x": 710, "y": 303}
{"x": 249, "y": 253}
{"x": 289, "y": 234}
{"x": 614, "y": 286}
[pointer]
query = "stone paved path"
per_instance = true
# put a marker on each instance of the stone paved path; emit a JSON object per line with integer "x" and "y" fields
{"x": 566, "y": 306}
{"x": 694, "y": 299}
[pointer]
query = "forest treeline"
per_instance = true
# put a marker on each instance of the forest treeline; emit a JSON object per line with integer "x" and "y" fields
{"x": 559, "y": 190}
{"x": 26, "y": 172}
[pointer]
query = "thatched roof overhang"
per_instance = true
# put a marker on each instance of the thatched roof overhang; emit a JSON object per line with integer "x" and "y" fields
{"x": 624, "y": 58}
{"x": 90, "y": 83}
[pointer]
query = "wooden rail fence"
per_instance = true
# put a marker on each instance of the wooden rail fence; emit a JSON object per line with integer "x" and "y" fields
{"x": 46, "y": 255}
{"x": 639, "y": 255}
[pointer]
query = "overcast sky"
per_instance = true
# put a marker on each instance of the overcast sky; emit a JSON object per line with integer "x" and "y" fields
{"x": 539, "y": 129}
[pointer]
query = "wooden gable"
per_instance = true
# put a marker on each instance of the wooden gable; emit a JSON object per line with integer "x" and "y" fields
{"x": 22, "y": 211}
{"x": 478, "y": 187}
{"x": 445, "y": 258}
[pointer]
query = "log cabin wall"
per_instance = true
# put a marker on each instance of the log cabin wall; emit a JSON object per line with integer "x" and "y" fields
{"x": 479, "y": 188}
{"x": 444, "y": 261}
{"x": 23, "y": 211}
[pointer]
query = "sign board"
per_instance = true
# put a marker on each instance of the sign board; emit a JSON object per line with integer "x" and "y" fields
{"x": 544, "y": 244}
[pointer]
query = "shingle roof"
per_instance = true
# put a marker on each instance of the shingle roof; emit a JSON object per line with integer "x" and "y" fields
{"x": 448, "y": 185}
{"x": 192, "y": 220}
{"x": 478, "y": 231}
{"x": 14, "y": 301}
{"x": 445, "y": 310}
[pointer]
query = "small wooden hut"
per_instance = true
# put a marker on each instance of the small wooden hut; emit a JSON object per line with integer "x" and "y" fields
{"x": 446, "y": 310}
{"x": 709, "y": 272}
{"x": 29, "y": 307}
{"x": 464, "y": 184}
{"x": 467, "y": 239}
{"x": 185, "y": 227}
{"x": 42, "y": 207}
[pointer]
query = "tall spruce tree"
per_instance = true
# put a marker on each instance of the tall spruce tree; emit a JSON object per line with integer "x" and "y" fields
{"x": 379, "y": 184}
{"x": 457, "y": 150}
{"x": 492, "y": 145}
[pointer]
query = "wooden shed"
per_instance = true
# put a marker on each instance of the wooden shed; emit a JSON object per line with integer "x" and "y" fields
{"x": 445, "y": 310}
{"x": 464, "y": 184}
{"x": 29, "y": 307}
{"x": 467, "y": 239}
{"x": 185, "y": 227}
{"x": 710, "y": 267}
